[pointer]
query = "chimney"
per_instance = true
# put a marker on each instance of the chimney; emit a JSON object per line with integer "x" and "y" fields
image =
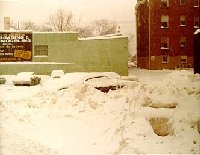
{"x": 6, "y": 23}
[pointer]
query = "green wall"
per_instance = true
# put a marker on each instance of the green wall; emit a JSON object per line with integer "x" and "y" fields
{"x": 100, "y": 54}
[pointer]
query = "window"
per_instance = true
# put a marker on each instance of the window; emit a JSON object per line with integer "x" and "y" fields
{"x": 164, "y": 21}
{"x": 165, "y": 59}
{"x": 183, "y": 59}
{"x": 196, "y": 22}
{"x": 182, "y": 2}
{"x": 196, "y": 3}
{"x": 164, "y": 3}
{"x": 182, "y": 21}
{"x": 41, "y": 50}
{"x": 182, "y": 41}
{"x": 164, "y": 43}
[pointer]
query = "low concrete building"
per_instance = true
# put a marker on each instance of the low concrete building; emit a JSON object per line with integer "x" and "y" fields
{"x": 42, "y": 52}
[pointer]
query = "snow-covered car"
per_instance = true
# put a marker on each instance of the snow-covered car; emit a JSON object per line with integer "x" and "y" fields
{"x": 57, "y": 73}
{"x": 104, "y": 81}
{"x": 26, "y": 79}
{"x": 2, "y": 80}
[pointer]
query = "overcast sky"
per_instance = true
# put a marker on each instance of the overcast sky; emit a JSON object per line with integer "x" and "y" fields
{"x": 86, "y": 10}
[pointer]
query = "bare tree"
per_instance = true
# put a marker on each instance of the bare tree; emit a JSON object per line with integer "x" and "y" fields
{"x": 61, "y": 20}
{"x": 24, "y": 25}
{"x": 45, "y": 28}
{"x": 28, "y": 25}
{"x": 14, "y": 25}
{"x": 83, "y": 31}
{"x": 104, "y": 27}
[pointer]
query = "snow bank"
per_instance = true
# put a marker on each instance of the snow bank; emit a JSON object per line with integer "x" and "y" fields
{"x": 79, "y": 79}
{"x": 69, "y": 112}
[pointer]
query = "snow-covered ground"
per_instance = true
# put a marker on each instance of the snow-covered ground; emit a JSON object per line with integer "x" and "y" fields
{"x": 149, "y": 112}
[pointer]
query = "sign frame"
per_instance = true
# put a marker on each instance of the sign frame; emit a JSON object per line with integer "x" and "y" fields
{"x": 16, "y": 46}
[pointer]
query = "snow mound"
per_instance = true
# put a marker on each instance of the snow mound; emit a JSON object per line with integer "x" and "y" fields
{"x": 78, "y": 80}
{"x": 66, "y": 81}
{"x": 139, "y": 118}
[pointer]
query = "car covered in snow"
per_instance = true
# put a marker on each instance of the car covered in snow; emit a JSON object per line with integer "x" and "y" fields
{"x": 26, "y": 79}
{"x": 2, "y": 80}
{"x": 104, "y": 81}
{"x": 57, "y": 73}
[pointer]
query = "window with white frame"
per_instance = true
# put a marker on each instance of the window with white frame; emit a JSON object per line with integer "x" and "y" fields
{"x": 164, "y": 3}
{"x": 182, "y": 2}
{"x": 165, "y": 59}
{"x": 182, "y": 21}
{"x": 196, "y": 21}
{"x": 182, "y": 41}
{"x": 184, "y": 59}
{"x": 164, "y": 21}
{"x": 164, "y": 42}
{"x": 196, "y": 3}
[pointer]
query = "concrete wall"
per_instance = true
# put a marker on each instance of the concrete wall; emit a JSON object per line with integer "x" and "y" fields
{"x": 46, "y": 68}
{"x": 88, "y": 55}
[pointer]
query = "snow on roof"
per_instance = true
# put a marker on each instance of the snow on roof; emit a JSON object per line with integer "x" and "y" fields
{"x": 66, "y": 32}
{"x": 110, "y": 36}
{"x": 26, "y": 62}
{"x": 16, "y": 31}
{"x": 197, "y": 31}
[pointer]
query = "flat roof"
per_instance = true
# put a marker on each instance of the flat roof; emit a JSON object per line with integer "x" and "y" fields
{"x": 16, "y": 31}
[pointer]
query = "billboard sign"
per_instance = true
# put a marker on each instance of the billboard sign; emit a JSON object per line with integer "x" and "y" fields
{"x": 15, "y": 46}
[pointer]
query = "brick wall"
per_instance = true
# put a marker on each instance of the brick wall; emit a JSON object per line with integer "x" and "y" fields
{"x": 174, "y": 32}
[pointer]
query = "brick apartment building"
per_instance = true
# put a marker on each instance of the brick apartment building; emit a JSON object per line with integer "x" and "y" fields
{"x": 165, "y": 33}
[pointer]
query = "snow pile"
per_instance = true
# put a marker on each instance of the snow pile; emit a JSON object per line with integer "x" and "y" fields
{"x": 175, "y": 99}
{"x": 69, "y": 115}
{"x": 57, "y": 73}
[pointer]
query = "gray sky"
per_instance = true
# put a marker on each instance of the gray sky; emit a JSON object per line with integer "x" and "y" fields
{"x": 86, "y": 10}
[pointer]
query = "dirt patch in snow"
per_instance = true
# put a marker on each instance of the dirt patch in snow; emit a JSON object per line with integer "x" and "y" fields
{"x": 148, "y": 102}
{"x": 161, "y": 126}
{"x": 106, "y": 89}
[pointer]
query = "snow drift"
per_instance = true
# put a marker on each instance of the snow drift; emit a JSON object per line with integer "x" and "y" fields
{"x": 69, "y": 115}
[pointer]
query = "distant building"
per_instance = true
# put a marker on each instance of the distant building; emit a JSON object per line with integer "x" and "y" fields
{"x": 165, "y": 33}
